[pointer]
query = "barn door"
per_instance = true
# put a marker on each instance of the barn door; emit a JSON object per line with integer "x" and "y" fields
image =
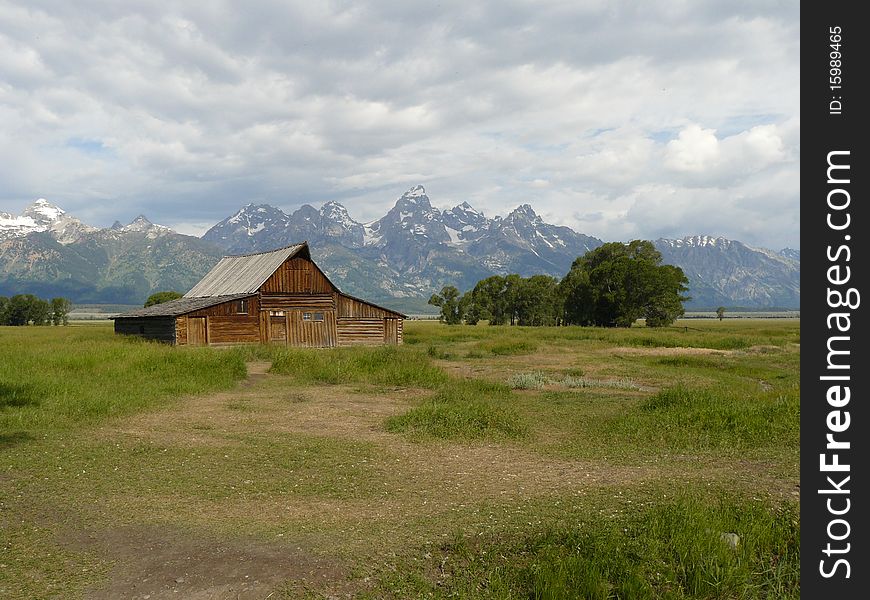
{"x": 196, "y": 332}
{"x": 391, "y": 331}
{"x": 278, "y": 328}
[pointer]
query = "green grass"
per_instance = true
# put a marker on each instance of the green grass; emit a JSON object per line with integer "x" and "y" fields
{"x": 463, "y": 409}
{"x": 674, "y": 549}
{"x": 57, "y": 378}
{"x": 713, "y": 419}
{"x": 384, "y": 365}
{"x": 561, "y": 490}
{"x": 725, "y": 335}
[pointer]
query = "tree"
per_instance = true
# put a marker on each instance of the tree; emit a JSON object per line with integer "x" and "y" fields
{"x": 488, "y": 301}
{"x": 60, "y": 308}
{"x": 161, "y": 297}
{"x": 537, "y": 301}
{"x": 616, "y": 284}
{"x": 23, "y": 309}
{"x": 720, "y": 312}
{"x": 450, "y": 303}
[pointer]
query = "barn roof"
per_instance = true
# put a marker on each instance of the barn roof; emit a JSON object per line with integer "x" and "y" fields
{"x": 180, "y": 306}
{"x": 242, "y": 274}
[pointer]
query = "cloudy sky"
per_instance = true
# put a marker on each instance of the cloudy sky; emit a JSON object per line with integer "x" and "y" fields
{"x": 621, "y": 119}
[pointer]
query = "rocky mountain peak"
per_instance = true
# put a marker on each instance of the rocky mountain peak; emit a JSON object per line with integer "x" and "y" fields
{"x": 418, "y": 191}
{"x": 43, "y": 212}
{"x": 523, "y": 212}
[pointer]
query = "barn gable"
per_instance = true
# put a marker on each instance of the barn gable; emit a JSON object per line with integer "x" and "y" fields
{"x": 280, "y": 296}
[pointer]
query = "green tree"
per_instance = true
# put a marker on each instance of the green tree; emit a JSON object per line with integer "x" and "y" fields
{"x": 4, "y": 306}
{"x": 488, "y": 301}
{"x": 537, "y": 301}
{"x": 450, "y": 303}
{"x": 60, "y": 308}
{"x": 616, "y": 284}
{"x": 161, "y": 297}
{"x": 720, "y": 312}
{"x": 23, "y": 309}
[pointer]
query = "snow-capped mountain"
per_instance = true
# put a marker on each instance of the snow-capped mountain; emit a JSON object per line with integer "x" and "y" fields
{"x": 42, "y": 215}
{"x": 730, "y": 273}
{"x": 412, "y": 251}
{"x": 791, "y": 253}
{"x": 47, "y": 252}
{"x": 464, "y": 224}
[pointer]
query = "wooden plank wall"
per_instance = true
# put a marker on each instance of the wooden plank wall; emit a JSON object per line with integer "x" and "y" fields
{"x": 197, "y": 331}
{"x": 233, "y": 329}
{"x": 311, "y": 334}
{"x": 278, "y": 329}
{"x": 227, "y": 308}
{"x": 181, "y": 330}
{"x": 320, "y": 302}
{"x": 391, "y": 331}
{"x": 350, "y": 307}
{"x": 360, "y": 331}
{"x": 152, "y": 328}
{"x": 297, "y": 275}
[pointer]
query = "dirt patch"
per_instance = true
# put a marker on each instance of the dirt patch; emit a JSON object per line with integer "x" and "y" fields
{"x": 635, "y": 351}
{"x": 156, "y": 562}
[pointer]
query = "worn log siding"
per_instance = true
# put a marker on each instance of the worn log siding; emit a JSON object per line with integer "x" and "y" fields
{"x": 238, "y": 329}
{"x": 197, "y": 331}
{"x": 349, "y": 307}
{"x": 181, "y": 330}
{"x": 228, "y": 308}
{"x": 320, "y": 302}
{"x": 311, "y": 334}
{"x": 278, "y": 329}
{"x": 360, "y": 331}
{"x": 391, "y": 331}
{"x": 265, "y": 326}
{"x": 161, "y": 329}
{"x": 297, "y": 275}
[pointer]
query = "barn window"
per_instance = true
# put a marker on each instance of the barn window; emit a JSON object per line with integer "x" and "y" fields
{"x": 242, "y": 307}
{"x": 306, "y": 316}
{"x": 276, "y": 313}
{"x": 318, "y": 316}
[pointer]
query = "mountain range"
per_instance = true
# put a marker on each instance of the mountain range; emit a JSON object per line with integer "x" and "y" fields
{"x": 397, "y": 260}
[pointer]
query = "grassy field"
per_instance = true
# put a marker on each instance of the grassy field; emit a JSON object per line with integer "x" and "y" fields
{"x": 471, "y": 462}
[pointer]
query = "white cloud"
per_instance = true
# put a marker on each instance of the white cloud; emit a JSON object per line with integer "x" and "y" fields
{"x": 596, "y": 113}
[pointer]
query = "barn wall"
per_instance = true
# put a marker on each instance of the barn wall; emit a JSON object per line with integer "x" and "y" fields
{"x": 297, "y": 275}
{"x": 181, "y": 330}
{"x": 322, "y": 302}
{"x": 228, "y": 308}
{"x": 233, "y": 329}
{"x": 360, "y": 331}
{"x": 311, "y": 334}
{"x": 153, "y": 328}
{"x": 351, "y": 307}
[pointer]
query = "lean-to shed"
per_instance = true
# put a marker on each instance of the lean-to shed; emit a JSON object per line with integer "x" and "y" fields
{"x": 279, "y": 296}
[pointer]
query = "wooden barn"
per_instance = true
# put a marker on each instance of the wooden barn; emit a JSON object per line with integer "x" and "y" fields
{"x": 279, "y": 296}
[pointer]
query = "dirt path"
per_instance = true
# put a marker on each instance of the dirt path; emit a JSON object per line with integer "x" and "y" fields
{"x": 398, "y": 483}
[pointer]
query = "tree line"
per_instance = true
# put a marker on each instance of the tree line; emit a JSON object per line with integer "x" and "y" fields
{"x": 610, "y": 286}
{"x": 27, "y": 309}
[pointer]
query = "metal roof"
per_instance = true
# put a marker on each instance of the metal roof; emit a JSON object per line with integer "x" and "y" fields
{"x": 180, "y": 306}
{"x": 242, "y": 274}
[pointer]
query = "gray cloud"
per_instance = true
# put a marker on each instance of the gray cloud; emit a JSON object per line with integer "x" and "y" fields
{"x": 620, "y": 119}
